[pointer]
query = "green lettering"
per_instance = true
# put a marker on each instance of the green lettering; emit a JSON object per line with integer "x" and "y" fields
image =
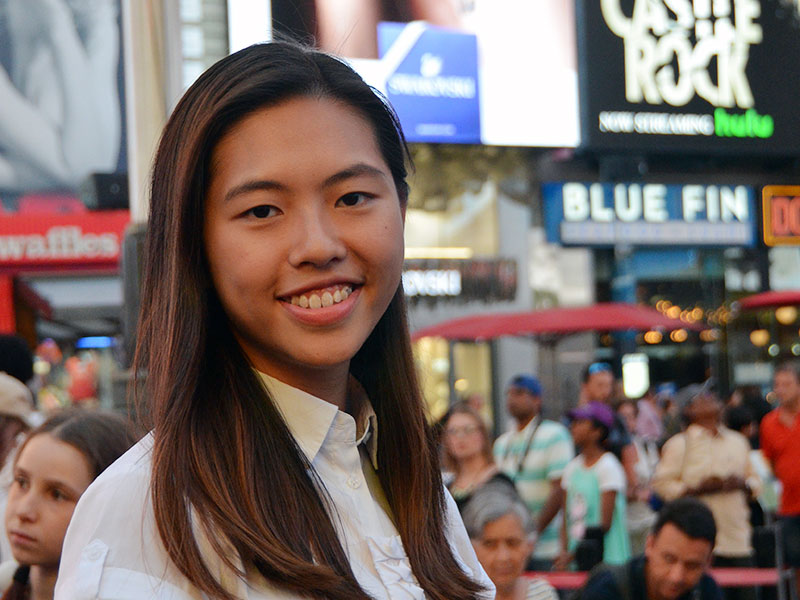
{"x": 746, "y": 125}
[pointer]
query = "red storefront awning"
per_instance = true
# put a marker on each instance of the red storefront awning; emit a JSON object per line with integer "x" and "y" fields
{"x": 770, "y": 300}
{"x": 608, "y": 316}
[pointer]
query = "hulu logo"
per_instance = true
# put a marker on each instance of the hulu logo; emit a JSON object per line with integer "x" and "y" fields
{"x": 747, "y": 125}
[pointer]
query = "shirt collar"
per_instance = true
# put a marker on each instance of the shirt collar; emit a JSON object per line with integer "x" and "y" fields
{"x": 310, "y": 418}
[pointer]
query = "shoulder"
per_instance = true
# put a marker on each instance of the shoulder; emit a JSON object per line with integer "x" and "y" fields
{"x": 736, "y": 438}
{"x": 554, "y": 429}
{"x": 503, "y": 440}
{"x": 7, "y": 570}
{"x": 573, "y": 465}
{"x": 539, "y": 589}
{"x": 610, "y": 474}
{"x": 601, "y": 585}
{"x": 709, "y": 589}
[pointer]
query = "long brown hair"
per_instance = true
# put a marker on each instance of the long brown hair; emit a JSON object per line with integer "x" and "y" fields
{"x": 221, "y": 448}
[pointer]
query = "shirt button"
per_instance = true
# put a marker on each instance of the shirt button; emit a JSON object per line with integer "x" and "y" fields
{"x": 353, "y": 482}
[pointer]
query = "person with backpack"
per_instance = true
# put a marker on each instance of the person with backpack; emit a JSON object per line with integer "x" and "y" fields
{"x": 677, "y": 553}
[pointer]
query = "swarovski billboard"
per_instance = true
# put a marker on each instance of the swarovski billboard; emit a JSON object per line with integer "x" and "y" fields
{"x": 690, "y": 75}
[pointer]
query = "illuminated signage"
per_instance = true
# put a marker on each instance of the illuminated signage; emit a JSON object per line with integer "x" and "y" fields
{"x": 682, "y": 75}
{"x": 482, "y": 280}
{"x": 648, "y": 214}
{"x": 781, "y": 211}
{"x": 91, "y": 239}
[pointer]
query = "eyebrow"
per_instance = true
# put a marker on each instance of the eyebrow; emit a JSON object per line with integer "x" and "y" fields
{"x": 50, "y": 482}
{"x": 356, "y": 170}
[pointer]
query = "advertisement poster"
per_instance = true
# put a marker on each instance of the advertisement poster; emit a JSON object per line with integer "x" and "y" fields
{"x": 699, "y": 76}
{"x": 61, "y": 96}
{"x": 496, "y": 72}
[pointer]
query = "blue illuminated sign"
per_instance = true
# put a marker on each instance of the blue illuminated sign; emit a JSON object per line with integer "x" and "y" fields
{"x": 432, "y": 81}
{"x": 649, "y": 214}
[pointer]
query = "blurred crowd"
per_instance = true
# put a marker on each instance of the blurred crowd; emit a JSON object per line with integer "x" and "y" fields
{"x": 594, "y": 479}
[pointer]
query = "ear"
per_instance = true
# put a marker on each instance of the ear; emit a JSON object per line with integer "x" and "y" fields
{"x": 649, "y": 545}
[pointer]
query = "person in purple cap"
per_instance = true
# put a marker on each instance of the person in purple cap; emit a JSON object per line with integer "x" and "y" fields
{"x": 593, "y": 488}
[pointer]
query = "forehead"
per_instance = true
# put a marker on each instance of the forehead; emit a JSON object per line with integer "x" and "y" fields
{"x": 786, "y": 376}
{"x": 47, "y": 457}
{"x": 311, "y": 130}
{"x": 672, "y": 540}
{"x": 507, "y": 526}
{"x": 461, "y": 418}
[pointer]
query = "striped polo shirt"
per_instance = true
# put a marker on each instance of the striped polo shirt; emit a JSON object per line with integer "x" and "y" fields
{"x": 550, "y": 450}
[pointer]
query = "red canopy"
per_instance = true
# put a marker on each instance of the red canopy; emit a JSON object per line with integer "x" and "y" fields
{"x": 609, "y": 316}
{"x": 770, "y": 300}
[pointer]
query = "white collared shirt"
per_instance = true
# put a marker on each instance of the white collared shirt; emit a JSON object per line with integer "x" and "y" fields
{"x": 112, "y": 550}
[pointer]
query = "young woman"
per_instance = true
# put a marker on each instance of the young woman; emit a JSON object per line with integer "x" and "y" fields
{"x": 468, "y": 456}
{"x": 290, "y": 456}
{"x": 55, "y": 464}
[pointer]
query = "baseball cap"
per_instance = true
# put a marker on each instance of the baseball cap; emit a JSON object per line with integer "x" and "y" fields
{"x": 15, "y": 399}
{"x": 527, "y": 382}
{"x": 596, "y": 411}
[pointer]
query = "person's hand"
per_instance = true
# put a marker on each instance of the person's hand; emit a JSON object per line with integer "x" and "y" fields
{"x": 562, "y": 561}
{"x": 733, "y": 483}
{"x": 709, "y": 485}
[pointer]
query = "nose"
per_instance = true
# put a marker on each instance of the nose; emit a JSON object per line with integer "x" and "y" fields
{"x": 26, "y": 508}
{"x": 317, "y": 239}
{"x": 677, "y": 573}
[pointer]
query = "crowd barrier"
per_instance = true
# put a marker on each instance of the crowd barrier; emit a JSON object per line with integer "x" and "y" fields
{"x": 725, "y": 577}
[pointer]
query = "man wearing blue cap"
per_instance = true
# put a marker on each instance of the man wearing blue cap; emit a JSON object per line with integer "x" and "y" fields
{"x": 534, "y": 456}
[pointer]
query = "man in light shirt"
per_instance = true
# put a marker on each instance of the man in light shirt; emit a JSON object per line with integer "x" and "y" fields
{"x": 712, "y": 463}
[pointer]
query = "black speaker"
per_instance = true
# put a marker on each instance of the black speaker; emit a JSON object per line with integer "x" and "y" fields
{"x": 104, "y": 191}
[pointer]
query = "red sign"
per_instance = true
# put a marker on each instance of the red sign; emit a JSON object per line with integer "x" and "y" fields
{"x": 781, "y": 206}
{"x": 91, "y": 239}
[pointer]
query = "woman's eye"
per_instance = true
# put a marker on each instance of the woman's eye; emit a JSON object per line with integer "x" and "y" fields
{"x": 262, "y": 211}
{"x": 354, "y": 198}
{"x": 58, "y": 495}
{"x": 21, "y": 482}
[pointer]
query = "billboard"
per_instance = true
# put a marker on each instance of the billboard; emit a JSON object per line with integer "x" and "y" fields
{"x": 61, "y": 89}
{"x": 649, "y": 214}
{"x": 690, "y": 75}
{"x": 497, "y": 72}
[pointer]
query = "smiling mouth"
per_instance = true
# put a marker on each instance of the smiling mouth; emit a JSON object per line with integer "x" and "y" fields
{"x": 322, "y": 298}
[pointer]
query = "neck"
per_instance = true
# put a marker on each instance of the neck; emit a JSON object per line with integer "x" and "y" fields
{"x": 508, "y": 591}
{"x": 712, "y": 426}
{"x": 592, "y": 452}
{"x": 327, "y": 384}
{"x": 43, "y": 582}
{"x": 522, "y": 422}
{"x": 792, "y": 407}
{"x": 472, "y": 465}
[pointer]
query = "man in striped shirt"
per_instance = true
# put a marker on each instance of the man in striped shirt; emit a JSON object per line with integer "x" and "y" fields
{"x": 534, "y": 456}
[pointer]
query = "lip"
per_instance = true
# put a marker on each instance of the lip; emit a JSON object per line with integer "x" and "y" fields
{"x": 326, "y": 315}
{"x": 318, "y": 285}
{"x": 17, "y": 538}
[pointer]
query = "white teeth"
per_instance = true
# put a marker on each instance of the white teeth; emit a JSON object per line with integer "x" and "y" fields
{"x": 324, "y": 300}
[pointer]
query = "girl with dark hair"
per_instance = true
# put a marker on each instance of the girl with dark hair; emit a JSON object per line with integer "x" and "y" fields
{"x": 290, "y": 455}
{"x": 55, "y": 464}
